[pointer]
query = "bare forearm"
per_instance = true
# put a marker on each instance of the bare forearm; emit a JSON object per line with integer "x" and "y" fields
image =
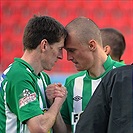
{"x": 51, "y": 115}
{"x": 59, "y": 126}
{"x": 56, "y": 94}
{"x": 43, "y": 123}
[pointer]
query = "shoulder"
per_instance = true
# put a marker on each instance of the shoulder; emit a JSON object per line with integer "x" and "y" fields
{"x": 119, "y": 73}
{"x": 45, "y": 74}
{"x": 115, "y": 81}
{"x": 15, "y": 76}
{"x": 118, "y": 64}
{"x": 45, "y": 77}
{"x": 122, "y": 69}
{"x": 18, "y": 72}
{"x": 71, "y": 78}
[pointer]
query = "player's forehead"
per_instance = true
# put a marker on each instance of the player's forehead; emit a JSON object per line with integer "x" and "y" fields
{"x": 59, "y": 44}
{"x": 71, "y": 41}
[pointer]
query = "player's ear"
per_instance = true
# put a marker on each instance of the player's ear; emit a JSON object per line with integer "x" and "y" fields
{"x": 107, "y": 49}
{"x": 43, "y": 45}
{"x": 92, "y": 45}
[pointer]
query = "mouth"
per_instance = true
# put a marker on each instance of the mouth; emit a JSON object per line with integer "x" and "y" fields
{"x": 56, "y": 60}
{"x": 75, "y": 63}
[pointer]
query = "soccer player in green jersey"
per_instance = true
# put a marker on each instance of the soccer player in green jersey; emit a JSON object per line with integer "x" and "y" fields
{"x": 84, "y": 48}
{"x": 113, "y": 43}
{"x": 111, "y": 106}
{"x": 24, "y": 106}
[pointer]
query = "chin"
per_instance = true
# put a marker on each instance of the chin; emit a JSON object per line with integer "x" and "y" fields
{"x": 80, "y": 69}
{"x": 48, "y": 69}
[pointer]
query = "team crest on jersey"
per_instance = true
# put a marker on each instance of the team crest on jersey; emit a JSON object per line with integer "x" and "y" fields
{"x": 27, "y": 98}
{"x": 77, "y": 98}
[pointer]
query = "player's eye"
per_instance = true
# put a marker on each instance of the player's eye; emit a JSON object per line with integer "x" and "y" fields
{"x": 71, "y": 50}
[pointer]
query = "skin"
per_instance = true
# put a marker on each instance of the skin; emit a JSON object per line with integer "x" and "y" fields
{"x": 44, "y": 57}
{"x": 53, "y": 53}
{"x": 76, "y": 52}
{"x": 85, "y": 56}
{"x": 113, "y": 43}
{"x": 108, "y": 51}
{"x": 52, "y": 93}
{"x": 85, "y": 52}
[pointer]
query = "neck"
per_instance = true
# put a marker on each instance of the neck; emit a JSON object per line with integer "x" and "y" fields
{"x": 97, "y": 68}
{"x": 96, "y": 73}
{"x": 32, "y": 59}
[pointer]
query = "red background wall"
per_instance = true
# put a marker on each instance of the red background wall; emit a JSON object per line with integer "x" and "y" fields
{"x": 15, "y": 14}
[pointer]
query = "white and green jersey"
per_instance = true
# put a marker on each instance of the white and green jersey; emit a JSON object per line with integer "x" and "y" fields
{"x": 80, "y": 88}
{"x": 22, "y": 96}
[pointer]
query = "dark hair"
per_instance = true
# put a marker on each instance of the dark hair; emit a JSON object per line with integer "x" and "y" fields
{"x": 115, "y": 40}
{"x": 42, "y": 27}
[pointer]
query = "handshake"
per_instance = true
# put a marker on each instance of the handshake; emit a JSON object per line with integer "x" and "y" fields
{"x": 56, "y": 92}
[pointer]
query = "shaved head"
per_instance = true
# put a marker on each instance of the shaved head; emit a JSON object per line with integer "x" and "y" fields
{"x": 84, "y": 29}
{"x": 115, "y": 39}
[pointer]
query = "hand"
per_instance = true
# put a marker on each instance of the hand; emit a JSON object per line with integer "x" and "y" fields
{"x": 61, "y": 99}
{"x": 55, "y": 90}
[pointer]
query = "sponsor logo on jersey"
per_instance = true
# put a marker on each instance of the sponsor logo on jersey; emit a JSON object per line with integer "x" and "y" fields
{"x": 27, "y": 98}
{"x": 77, "y": 98}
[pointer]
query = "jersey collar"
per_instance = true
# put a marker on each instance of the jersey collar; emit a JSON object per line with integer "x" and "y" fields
{"x": 108, "y": 63}
{"x": 25, "y": 63}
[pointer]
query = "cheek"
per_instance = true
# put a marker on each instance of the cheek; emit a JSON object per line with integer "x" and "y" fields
{"x": 82, "y": 56}
{"x": 86, "y": 59}
{"x": 55, "y": 53}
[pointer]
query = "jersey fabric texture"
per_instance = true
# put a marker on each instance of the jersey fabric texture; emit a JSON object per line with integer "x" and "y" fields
{"x": 80, "y": 88}
{"x": 110, "y": 109}
{"x": 22, "y": 96}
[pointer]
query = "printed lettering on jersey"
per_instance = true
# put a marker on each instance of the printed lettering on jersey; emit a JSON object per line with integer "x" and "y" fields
{"x": 75, "y": 117}
{"x": 27, "y": 98}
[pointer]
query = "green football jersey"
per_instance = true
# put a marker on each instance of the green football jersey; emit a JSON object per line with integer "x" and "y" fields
{"x": 81, "y": 87}
{"x": 22, "y": 96}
